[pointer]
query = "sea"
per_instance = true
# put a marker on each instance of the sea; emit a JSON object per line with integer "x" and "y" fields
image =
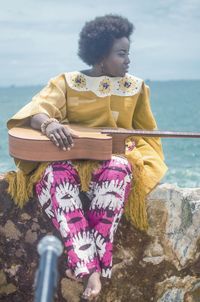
{"x": 175, "y": 105}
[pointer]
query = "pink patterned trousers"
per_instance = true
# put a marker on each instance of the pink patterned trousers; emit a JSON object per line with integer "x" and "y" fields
{"x": 87, "y": 235}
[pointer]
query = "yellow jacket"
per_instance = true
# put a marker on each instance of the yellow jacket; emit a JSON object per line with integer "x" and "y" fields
{"x": 103, "y": 102}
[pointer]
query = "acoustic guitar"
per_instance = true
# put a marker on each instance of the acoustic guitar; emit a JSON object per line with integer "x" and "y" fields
{"x": 90, "y": 143}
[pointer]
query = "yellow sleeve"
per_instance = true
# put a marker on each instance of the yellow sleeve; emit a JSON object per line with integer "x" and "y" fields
{"x": 143, "y": 119}
{"x": 51, "y": 100}
{"x": 148, "y": 152}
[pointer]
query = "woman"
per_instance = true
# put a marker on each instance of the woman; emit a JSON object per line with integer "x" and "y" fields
{"x": 103, "y": 96}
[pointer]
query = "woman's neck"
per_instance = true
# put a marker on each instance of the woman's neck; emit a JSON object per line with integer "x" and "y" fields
{"x": 93, "y": 72}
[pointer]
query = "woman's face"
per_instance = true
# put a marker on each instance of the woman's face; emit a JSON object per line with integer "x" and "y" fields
{"x": 117, "y": 62}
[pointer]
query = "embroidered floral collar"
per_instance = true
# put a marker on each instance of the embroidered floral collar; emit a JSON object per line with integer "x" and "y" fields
{"x": 102, "y": 86}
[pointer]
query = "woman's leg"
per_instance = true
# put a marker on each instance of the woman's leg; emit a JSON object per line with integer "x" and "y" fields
{"x": 109, "y": 191}
{"x": 58, "y": 192}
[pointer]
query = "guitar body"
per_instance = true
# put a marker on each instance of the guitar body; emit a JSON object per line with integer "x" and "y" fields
{"x": 31, "y": 145}
{"x": 90, "y": 143}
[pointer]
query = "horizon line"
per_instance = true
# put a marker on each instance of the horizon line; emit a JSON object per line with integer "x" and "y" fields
{"x": 44, "y": 84}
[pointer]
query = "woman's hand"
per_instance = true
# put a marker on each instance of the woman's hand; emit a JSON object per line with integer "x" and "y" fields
{"x": 60, "y": 135}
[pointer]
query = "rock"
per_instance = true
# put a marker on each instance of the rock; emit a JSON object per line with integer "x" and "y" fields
{"x": 30, "y": 237}
{"x": 12, "y": 271}
{"x": 10, "y": 231}
{"x": 175, "y": 216}
{"x": 177, "y": 289}
{"x": 161, "y": 265}
{"x": 25, "y": 216}
{"x": 5, "y": 287}
{"x": 71, "y": 291}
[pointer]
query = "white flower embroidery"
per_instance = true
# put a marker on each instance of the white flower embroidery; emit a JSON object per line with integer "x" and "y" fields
{"x": 128, "y": 85}
{"x": 84, "y": 246}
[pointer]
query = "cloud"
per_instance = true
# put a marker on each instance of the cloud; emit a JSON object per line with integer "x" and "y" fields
{"x": 40, "y": 38}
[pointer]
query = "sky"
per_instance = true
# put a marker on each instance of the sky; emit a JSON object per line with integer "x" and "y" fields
{"x": 39, "y": 38}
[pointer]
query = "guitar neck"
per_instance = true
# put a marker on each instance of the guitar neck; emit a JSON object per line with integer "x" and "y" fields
{"x": 151, "y": 133}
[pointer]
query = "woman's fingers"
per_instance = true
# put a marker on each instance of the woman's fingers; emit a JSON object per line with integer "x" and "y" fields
{"x": 66, "y": 138}
{"x": 60, "y": 136}
{"x": 68, "y": 135}
{"x": 62, "y": 140}
{"x": 59, "y": 141}
{"x": 53, "y": 139}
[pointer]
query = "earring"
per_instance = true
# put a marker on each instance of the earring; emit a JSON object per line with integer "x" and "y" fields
{"x": 102, "y": 68}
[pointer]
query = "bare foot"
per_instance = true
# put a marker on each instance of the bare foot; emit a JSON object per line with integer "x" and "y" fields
{"x": 93, "y": 287}
{"x": 72, "y": 276}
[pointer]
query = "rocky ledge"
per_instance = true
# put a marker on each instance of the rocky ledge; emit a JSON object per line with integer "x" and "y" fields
{"x": 162, "y": 265}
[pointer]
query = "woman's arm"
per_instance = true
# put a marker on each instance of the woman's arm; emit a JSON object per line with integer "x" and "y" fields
{"x": 50, "y": 102}
{"x": 37, "y": 120}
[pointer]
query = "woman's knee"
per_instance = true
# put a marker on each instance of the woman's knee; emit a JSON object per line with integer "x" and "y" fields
{"x": 116, "y": 168}
{"x": 65, "y": 170}
{"x": 122, "y": 164}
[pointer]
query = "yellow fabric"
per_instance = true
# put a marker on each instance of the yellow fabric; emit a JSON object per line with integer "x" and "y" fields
{"x": 21, "y": 185}
{"x": 60, "y": 101}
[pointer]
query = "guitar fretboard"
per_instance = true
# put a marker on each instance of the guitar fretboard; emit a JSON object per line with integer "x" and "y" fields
{"x": 152, "y": 133}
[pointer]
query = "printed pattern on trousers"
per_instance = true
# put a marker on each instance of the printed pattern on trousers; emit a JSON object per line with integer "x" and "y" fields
{"x": 88, "y": 237}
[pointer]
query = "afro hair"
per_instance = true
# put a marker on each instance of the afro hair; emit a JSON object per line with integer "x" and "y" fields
{"x": 97, "y": 36}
